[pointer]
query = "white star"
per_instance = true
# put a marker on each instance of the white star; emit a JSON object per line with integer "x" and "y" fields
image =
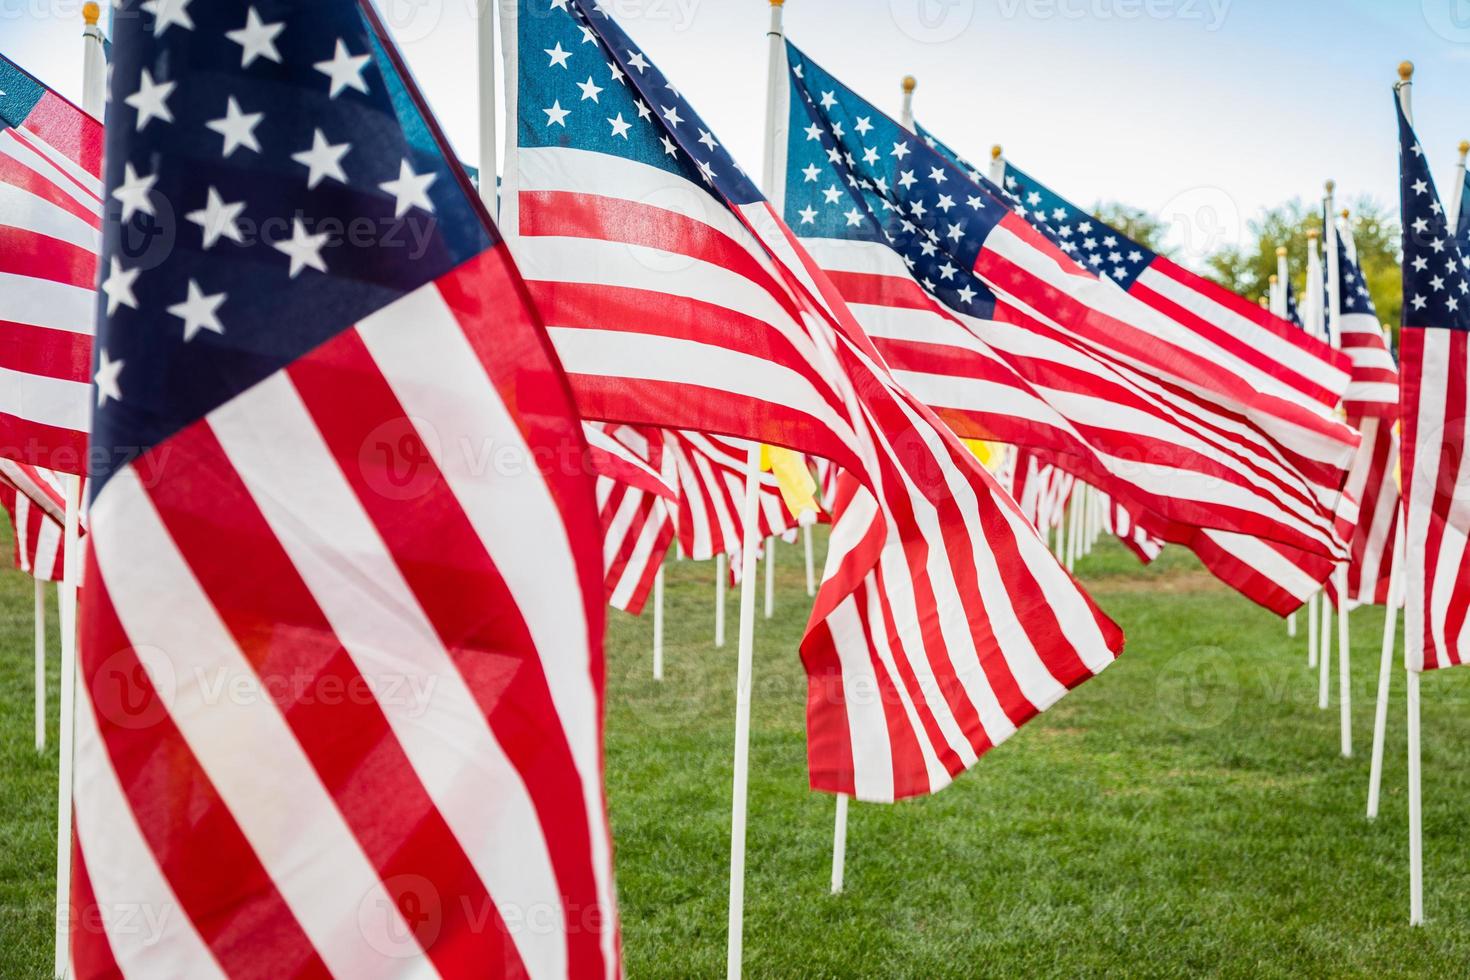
{"x": 900, "y": 150}
{"x": 256, "y": 39}
{"x": 937, "y": 175}
{"x": 410, "y": 190}
{"x": 322, "y": 160}
{"x": 1436, "y": 284}
{"x": 619, "y": 127}
{"x": 556, "y": 115}
{"x": 643, "y": 111}
{"x": 636, "y": 60}
{"x": 617, "y": 73}
{"x": 947, "y": 271}
{"x": 945, "y": 203}
{"x": 558, "y": 56}
{"x": 590, "y": 89}
{"x": 1033, "y": 199}
{"x": 707, "y": 139}
{"x": 833, "y": 194}
{"x": 135, "y": 193}
{"x": 198, "y": 311}
{"x": 864, "y": 123}
{"x": 106, "y": 378}
{"x": 812, "y": 172}
{"x": 1420, "y": 263}
{"x": 838, "y": 131}
{"x": 956, "y": 232}
{"x": 1419, "y": 187}
{"x": 814, "y": 132}
{"x": 1418, "y": 302}
{"x": 589, "y": 36}
{"x": 304, "y": 250}
{"x": 829, "y": 99}
{"x": 238, "y": 128}
{"x": 1135, "y": 256}
{"x": 119, "y": 287}
{"x": 218, "y": 219}
{"x": 975, "y": 202}
{"x": 167, "y": 13}
{"x": 344, "y": 69}
{"x": 1085, "y": 227}
{"x": 707, "y": 172}
{"x": 906, "y": 179}
{"x": 808, "y": 215}
{"x": 151, "y": 100}
{"x": 854, "y": 218}
{"x": 870, "y": 156}
{"x": 967, "y": 295}
{"x": 919, "y": 210}
{"x": 672, "y": 115}
{"x": 670, "y": 147}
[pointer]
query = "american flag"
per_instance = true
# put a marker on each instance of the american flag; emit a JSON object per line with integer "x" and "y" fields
{"x": 1028, "y": 340}
{"x": 1372, "y": 406}
{"x": 1434, "y": 351}
{"x": 709, "y": 472}
{"x": 341, "y": 653}
{"x": 636, "y": 500}
{"x": 677, "y": 297}
{"x": 44, "y": 488}
{"x": 50, "y": 216}
{"x": 38, "y": 537}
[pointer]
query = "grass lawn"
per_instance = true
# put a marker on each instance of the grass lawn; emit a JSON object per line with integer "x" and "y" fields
{"x": 1185, "y": 813}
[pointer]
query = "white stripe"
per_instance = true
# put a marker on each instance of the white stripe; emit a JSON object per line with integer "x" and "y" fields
{"x": 1434, "y": 367}
{"x": 242, "y": 742}
{"x": 269, "y": 436}
{"x": 150, "y": 934}
{"x": 61, "y": 161}
{"x": 43, "y": 303}
{"x": 436, "y": 375}
{"x": 1260, "y": 557}
{"x": 21, "y": 209}
{"x": 47, "y": 401}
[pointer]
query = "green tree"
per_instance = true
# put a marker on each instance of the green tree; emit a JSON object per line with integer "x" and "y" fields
{"x": 1136, "y": 223}
{"x": 1246, "y": 269}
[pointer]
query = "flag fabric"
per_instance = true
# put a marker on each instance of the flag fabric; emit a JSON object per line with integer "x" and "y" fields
{"x": 1373, "y": 388}
{"x": 50, "y": 216}
{"x": 1293, "y": 312}
{"x": 677, "y": 297}
{"x": 1434, "y": 403}
{"x": 903, "y": 230}
{"x": 38, "y": 537}
{"x": 635, "y": 495}
{"x": 709, "y": 473}
{"x": 43, "y": 487}
{"x": 341, "y": 658}
{"x": 1041, "y": 489}
{"x": 1125, "y": 527}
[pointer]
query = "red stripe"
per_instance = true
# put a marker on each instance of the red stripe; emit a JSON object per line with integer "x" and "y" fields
{"x": 70, "y": 130}
{"x": 91, "y": 951}
{"x": 212, "y": 869}
{"x": 63, "y": 450}
{"x": 46, "y": 191}
{"x": 25, "y": 253}
{"x": 46, "y": 353}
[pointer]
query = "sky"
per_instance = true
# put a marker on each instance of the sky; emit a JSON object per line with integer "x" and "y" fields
{"x": 1202, "y": 112}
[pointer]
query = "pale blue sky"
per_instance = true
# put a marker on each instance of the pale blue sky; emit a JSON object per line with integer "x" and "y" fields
{"x": 1219, "y": 107}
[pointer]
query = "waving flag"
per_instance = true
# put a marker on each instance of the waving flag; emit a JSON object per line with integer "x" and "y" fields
{"x": 635, "y": 495}
{"x": 50, "y": 213}
{"x": 292, "y": 507}
{"x": 907, "y": 237}
{"x": 710, "y": 475}
{"x": 38, "y": 537}
{"x": 676, "y": 297}
{"x": 1435, "y": 401}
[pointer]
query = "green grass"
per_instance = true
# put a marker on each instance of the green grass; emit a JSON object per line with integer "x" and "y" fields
{"x": 1185, "y": 813}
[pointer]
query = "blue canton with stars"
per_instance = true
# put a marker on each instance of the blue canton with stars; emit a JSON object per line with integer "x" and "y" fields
{"x": 1293, "y": 311}
{"x": 272, "y": 178}
{"x": 1462, "y": 223}
{"x": 584, "y": 85}
{"x": 1092, "y": 243}
{"x": 853, "y": 173}
{"x": 1353, "y": 288}
{"x": 1436, "y": 293}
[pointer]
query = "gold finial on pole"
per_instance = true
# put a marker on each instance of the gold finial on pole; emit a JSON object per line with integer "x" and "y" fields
{"x": 910, "y": 83}
{"x": 1313, "y": 234}
{"x": 1274, "y": 280}
{"x": 1406, "y": 70}
{"x": 1344, "y": 213}
{"x": 1331, "y": 186}
{"x": 1281, "y": 250}
{"x": 1464, "y": 148}
{"x": 995, "y": 152}
{"x": 91, "y": 13}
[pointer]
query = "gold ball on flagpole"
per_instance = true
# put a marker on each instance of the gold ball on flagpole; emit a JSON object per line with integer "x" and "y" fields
{"x": 1280, "y": 250}
{"x": 1273, "y": 280}
{"x": 1331, "y": 186}
{"x": 910, "y": 83}
{"x": 1406, "y": 70}
{"x": 995, "y": 152}
{"x": 1344, "y": 213}
{"x": 1464, "y": 147}
{"x": 1313, "y": 234}
{"x": 91, "y": 13}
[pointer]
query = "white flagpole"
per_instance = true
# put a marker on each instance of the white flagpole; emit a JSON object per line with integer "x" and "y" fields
{"x": 485, "y": 61}
{"x": 1452, "y": 217}
{"x": 776, "y": 125}
{"x": 658, "y": 625}
{"x": 40, "y": 665}
{"x": 1324, "y": 656}
{"x": 94, "y": 103}
{"x": 1385, "y": 663}
{"x": 1416, "y": 813}
{"x": 770, "y": 609}
{"x": 1334, "y": 333}
{"x": 906, "y": 114}
{"x": 1278, "y": 307}
{"x": 811, "y": 564}
{"x": 1312, "y": 604}
{"x": 720, "y": 576}
{"x": 997, "y": 166}
{"x": 839, "y": 845}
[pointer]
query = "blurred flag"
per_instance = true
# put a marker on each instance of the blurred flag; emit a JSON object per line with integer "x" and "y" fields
{"x": 1434, "y": 350}
{"x": 38, "y": 537}
{"x": 678, "y": 298}
{"x": 50, "y": 212}
{"x": 341, "y": 659}
{"x": 637, "y": 522}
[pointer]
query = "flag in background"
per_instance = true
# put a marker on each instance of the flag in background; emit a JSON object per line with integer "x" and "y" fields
{"x": 319, "y": 489}
{"x": 38, "y": 537}
{"x": 50, "y": 215}
{"x": 1434, "y": 348}
{"x": 637, "y": 518}
{"x": 676, "y": 297}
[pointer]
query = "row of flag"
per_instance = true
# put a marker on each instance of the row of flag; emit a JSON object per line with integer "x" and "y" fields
{"x": 311, "y": 456}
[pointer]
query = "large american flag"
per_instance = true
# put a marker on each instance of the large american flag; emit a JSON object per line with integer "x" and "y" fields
{"x": 1435, "y": 400}
{"x": 341, "y": 653}
{"x": 677, "y": 297}
{"x": 959, "y": 289}
{"x": 50, "y": 213}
